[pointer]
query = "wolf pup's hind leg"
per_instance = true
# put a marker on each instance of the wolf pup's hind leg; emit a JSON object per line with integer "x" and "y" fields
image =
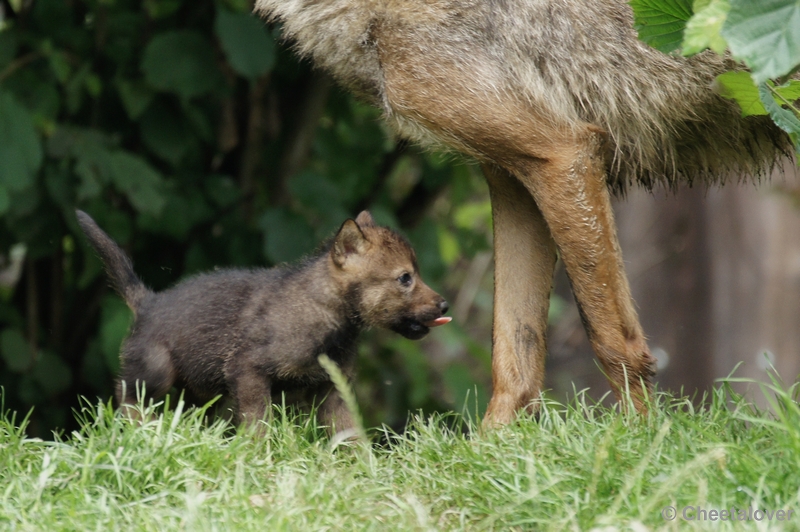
{"x": 145, "y": 370}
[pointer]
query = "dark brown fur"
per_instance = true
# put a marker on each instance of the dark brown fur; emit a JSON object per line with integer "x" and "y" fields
{"x": 560, "y": 102}
{"x": 252, "y": 334}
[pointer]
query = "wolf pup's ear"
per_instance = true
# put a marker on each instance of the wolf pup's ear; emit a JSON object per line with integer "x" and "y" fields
{"x": 364, "y": 219}
{"x": 349, "y": 241}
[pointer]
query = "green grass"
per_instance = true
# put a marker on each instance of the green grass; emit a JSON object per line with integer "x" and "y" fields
{"x": 579, "y": 467}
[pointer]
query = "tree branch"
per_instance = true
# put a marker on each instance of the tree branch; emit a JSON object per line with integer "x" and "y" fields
{"x": 253, "y": 142}
{"x": 32, "y": 307}
{"x": 301, "y": 138}
{"x": 387, "y": 165}
{"x": 18, "y": 63}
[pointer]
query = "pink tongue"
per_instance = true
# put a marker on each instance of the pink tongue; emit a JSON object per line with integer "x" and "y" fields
{"x": 438, "y": 321}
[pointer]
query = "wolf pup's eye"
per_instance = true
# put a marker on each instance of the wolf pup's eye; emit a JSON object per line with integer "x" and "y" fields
{"x": 405, "y": 279}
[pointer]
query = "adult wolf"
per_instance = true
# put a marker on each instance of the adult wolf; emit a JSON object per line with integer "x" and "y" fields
{"x": 561, "y": 104}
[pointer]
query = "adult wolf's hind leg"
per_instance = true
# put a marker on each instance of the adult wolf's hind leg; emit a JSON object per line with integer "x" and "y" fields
{"x": 561, "y": 164}
{"x": 570, "y": 190}
{"x": 525, "y": 257}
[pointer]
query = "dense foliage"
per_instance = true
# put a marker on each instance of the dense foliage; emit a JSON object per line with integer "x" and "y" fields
{"x": 197, "y": 140}
{"x": 763, "y": 35}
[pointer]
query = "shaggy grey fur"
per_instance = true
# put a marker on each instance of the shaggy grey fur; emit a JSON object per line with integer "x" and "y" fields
{"x": 573, "y": 62}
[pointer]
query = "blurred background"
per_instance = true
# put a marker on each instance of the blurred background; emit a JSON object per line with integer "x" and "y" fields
{"x": 198, "y": 140}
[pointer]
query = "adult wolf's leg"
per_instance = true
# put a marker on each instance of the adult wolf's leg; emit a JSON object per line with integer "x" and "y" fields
{"x": 561, "y": 163}
{"x": 525, "y": 256}
{"x": 569, "y": 188}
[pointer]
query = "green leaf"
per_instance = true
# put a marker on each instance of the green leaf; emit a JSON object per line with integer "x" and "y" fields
{"x": 90, "y": 185}
{"x": 166, "y": 133}
{"x": 321, "y": 196}
{"x": 415, "y": 364}
{"x": 20, "y": 147}
{"x": 789, "y": 91}
{"x": 16, "y": 351}
{"x": 60, "y": 65}
{"x": 462, "y": 387}
{"x": 135, "y": 95}
{"x": 784, "y": 118}
{"x": 69, "y": 141}
{"x": 222, "y": 190}
{"x": 181, "y": 62}
{"x": 448, "y": 246}
{"x": 661, "y": 23}
{"x": 703, "y": 29}
{"x": 8, "y": 47}
{"x": 93, "y": 85}
{"x": 75, "y": 87}
{"x": 739, "y": 86}
{"x": 473, "y": 215}
{"x": 59, "y": 185}
{"x": 29, "y": 391}
{"x": 115, "y": 320}
{"x": 183, "y": 211}
{"x": 5, "y": 201}
{"x": 237, "y": 6}
{"x": 199, "y": 122}
{"x": 98, "y": 164}
{"x": 91, "y": 154}
{"x": 42, "y": 100}
{"x": 287, "y": 236}
{"x": 161, "y": 8}
{"x": 92, "y": 163}
{"x": 248, "y": 47}
{"x": 425, "y": 238}
{"x": 94, "y": 369}
{"x": 765, "y": 35}
{"x": 52, "y": 374}
{"x": 138, "y": 180}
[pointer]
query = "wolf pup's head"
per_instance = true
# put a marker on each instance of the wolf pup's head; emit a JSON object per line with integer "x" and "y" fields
{"x": 377, "y": 269}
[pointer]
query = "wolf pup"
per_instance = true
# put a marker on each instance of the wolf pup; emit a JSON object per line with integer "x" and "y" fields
{"x": 252, "y": 334}
{"x": 560, "y": 103}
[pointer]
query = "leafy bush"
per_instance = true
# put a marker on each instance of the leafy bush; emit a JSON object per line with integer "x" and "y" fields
{"x": 197, "y": 140}
{"x": 764, "y": 35}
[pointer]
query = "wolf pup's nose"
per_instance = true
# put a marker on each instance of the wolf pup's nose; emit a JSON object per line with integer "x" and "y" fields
{"x": 442, "y": 306}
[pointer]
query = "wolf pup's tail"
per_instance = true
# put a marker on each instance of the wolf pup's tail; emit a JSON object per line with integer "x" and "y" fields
{"x": 118, "y": 265}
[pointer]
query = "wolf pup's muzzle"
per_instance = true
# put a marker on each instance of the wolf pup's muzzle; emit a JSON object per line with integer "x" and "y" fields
{"x": 417, "y": 326}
